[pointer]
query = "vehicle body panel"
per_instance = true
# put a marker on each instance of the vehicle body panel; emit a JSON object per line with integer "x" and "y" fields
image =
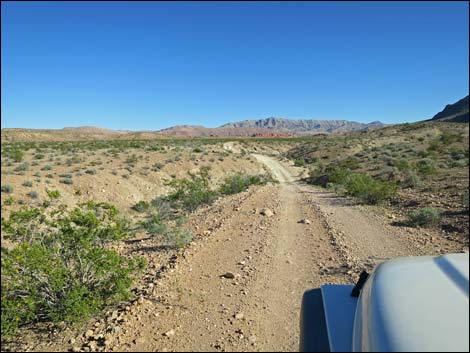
{"x": 415, "y": 304}
{"x": 406, "y": 304}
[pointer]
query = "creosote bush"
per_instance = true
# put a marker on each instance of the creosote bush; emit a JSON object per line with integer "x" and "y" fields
{"x": 192, "y": 192}
{"x": 362, "y": 186}
{"x": 239, "y": 182}
{"x": 60, "y": 268}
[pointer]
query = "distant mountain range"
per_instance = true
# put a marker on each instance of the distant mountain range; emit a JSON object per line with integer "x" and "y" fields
{"x": 457, "y": 112}
{"x": 271, "y": 127}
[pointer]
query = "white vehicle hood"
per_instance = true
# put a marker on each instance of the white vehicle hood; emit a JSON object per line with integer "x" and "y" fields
{"x": 415, "y": 304}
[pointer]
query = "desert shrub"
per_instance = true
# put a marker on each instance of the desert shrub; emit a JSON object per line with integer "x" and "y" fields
{"x": 157, "y": 166}
{"x": 60, "y": 270}
{"x": 192, "y": 192}
{"x": 33, "y": 194}
{"x": 424, "y": 217}
{"x": 447, "y": 138}
{"x": 9, "y": 201}
{"x": 350, "y": 163}
{"x": 434, "y": 146}
{"x": 426, "y": 166}
{"x": 239, "y": 182}
{"x": 66, "y": 175}
{"x": 28, "y": 183}
{"x": 141, "y": 206}
{"x": 198, "y": 150}
{"x": 457, "y": 163}
{"x": 46, "y": 167}
{"x": 457, "y": 154}
{"x": 131, "y": 159}
{"x": 388, "y": 173}
{"x": 7, "y": 189}
{"x": 17, "y": 155}
{"x": 39, "y": 156}
{"x": 299, "y": 162}
{"x": 66, "y": 181}
{"x": 412, "y": 180}
{"x": 177, "y": 237}
{"x": 369, "y": 190}
{"x": 91, "y": 171}
{"x": 22, "y": 167}
{"x": 53, "y": 194}
{"x": 162, "y": 208}
{"x": 154, "y": 225}
{"x": 361, "y": 186}
{"x": 402, "y": 164}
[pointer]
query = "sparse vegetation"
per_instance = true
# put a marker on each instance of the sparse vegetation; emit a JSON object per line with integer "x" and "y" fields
{"x": 53, "y": 194}
{"x": 192, "y": 192}
{"x": 425, "y": 217}
{"x": 239, "y": 182}
{"x": 22, "y": 167}
{"x": 33, "y": 194}
{"x": 7, "y": 189}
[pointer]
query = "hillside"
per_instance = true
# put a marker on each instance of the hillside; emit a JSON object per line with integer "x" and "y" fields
{"x": 457, "y": 112}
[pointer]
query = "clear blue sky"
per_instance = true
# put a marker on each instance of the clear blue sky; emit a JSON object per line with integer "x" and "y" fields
{"x": 145, "y": 65}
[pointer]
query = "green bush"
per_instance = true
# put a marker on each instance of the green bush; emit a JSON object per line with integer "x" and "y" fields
{"x": 60, "y": 269}
{"x": 426, "y": 166}
{"x": 337, "y": 175}
{"x": 66, "y": 181}
{"x": 53, "y": 194}
{"x": 299, "y": 162}
{"x": 192, "y": 192}
{"x": 239, "y": 182}
{"x": 424, "y": 217}
{"x": 9, "y": 201}
{"x": 369, "y": 190}
{"x": 17, "y": 155}
{"x": 7, "y": 189}
{"x": 361, "y": 186}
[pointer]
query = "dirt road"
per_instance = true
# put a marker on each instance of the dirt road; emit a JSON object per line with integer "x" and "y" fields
{"x": 239, "y": 286}
{"x": 273, "y": 260}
